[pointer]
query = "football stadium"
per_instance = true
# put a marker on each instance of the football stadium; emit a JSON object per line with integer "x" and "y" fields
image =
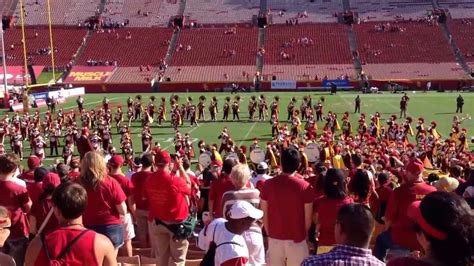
{"x": 237, "y": 132}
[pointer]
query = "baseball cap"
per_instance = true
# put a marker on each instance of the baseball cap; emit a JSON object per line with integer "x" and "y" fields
{"x": 414, "y": 213}
{"x": 448, "y": 184}
{"x": 116, "y": 161}
{"x": 415, "y": 167}
{"x": 162, "y": 157}
{"x": 262, "y": 166}
{"x": 243, "y": 209}
{"x": 5, "y": 220}
{"x": 51, "y": 180}
{"x": 33, "y": 162}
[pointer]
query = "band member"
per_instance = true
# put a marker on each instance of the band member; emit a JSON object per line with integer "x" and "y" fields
{"x": 95, "y": 141}
{"x": 147, "y": 139}
{"x": 137, "y": 108}
{"x": 161, "y": 114}
{"x": 275, "y": 126}
{"x": 130, "y": 116}
{"x": 68, "y": 150}
{"x": 17, "y": 144}
{"x": 291, "y": 108}
{"x": 404, "y": 105}
{"x": 407, "y": 126}
{"x": 80, "y": 103}
{"x": 129, "y": 102}
{"x": 235, "y": 108}
{"x": 254, "y": 145}
{"x": 303, "y": 107}
{"x": 357, "y": 104}
{"x": 252, "y": 107}
{"x": 118, "y": 118}
{"x": 38, "y": 147}
{"x": 262, "y": 108}
{"x": 225, "y": 140}
{"x": 213, "y": 108}
{"x": 192, "y": 115}
{"x": 105, "y": 103}
{"x": 362, "y": 128}
{"x": 295, "y": 125}
{"x": 346, "y": 126}
{"x": 201, "y": 107}
{"x": 420, "y": 127}
{"x": 226, "y": 108}
{"x": 274, "y": 108}
{"x": 106, "y": 139}
{"x": 54, "y": 142}
{"x": 433, "y": 131}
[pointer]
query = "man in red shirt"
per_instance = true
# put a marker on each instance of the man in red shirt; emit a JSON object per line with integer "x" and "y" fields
{"x": 287, "y": 202}
{"x": 219, "y": 187}
{"x": 33, "y": 163}
{"x": 139, "y": 202}
{"x": 15, "y": 198}
{"x": 168, "y": 197}
{"x": 83, "y": 143}
{"x": 115, "y": 171}
{"x": 400, "y": 234}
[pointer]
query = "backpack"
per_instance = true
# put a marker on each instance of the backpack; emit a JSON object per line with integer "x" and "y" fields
{"x": 58, "y": 261}
{"x": 208, "y": 259}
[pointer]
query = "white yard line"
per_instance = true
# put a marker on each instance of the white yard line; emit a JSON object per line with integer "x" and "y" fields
{"x": 248, "y": 133}
{"x": 87, "y": 104}
{"x": 191, "y": 131}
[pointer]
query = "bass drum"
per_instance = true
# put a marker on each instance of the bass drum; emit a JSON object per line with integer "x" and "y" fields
{"x": 257, "y": 156}
{"x": 204, "y": 159}
{"x": 313, "y": 152}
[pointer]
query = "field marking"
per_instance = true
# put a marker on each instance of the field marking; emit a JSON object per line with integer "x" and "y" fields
{"x": 248, "y": 133}
{"x": 87, "y": 104}
{"x": 189, "y": 132}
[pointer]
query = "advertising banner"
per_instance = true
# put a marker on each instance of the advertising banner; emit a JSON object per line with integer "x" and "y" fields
{"x": 283, "y": 84}
{"x": 90, "y": 75}
{"x": 15, "y": 74}
{"x": 340, "y": 83}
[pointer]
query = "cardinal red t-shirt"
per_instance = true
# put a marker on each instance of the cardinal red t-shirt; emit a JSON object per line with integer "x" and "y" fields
{"x": 73, "y": 175}
{"x": 402, "y": 229}
{"x": 40, "y": 210}
{"x": 286, "y": 197}
{"x": 34, "y": 190}
{"x": 168, "y": 197}
{"x": 125, "y": 184}
{"x": 139, "y": 195}
{"x": 327, "y": 210}
{"x": 101, "y": 203}
{"x": 217, "y": 190}
{"x": 14, "y": 197}
{"x": 28, "y": 176}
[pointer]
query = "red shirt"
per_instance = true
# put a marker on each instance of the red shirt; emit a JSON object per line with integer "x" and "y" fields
{"x": 327, "y": 210}
{"x": 40, "y": 210}
{"x": 217, "y": 190}
{"x": 28, "y": 176}
{"x": 125, "y": 184}
{"x": 34, "y": 190}
{"x": 14, "y": 197}
{"x": 168, "y": 197}
{"x": 384, "y": 193}
{"x": 286, "y": 197}
{"x": 101, "y": 203}
{"x": 73, "y": 175}
{"x": 396, "y": 212}
{"x": 81, "y": 253}
{"x": 139, "y": 195}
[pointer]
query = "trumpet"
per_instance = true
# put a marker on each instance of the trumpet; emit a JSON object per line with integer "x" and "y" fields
{"x": 465, "y": 117}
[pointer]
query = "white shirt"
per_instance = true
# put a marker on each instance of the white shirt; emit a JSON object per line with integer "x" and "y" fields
{"x": 261, "y": 177}
{"x": 225, "y": 251}
{"x": 17, "y": 180}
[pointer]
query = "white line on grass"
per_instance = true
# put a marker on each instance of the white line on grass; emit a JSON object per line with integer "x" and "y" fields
{"x": 87, "y": 104}
{"x": 189, "y": 132}
{"x": 248, "y": 133}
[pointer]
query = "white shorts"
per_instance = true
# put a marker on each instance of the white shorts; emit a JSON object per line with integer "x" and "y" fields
{"x": 128, "y": 229}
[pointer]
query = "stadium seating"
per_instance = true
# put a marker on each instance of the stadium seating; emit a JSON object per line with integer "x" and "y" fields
{"x": 222, "y": 11}
{"x": 459, "y": 8}
{"x": 418, "y": 42}
{"x": 307, "y": 72}
{"x": 414, "y": 71}
{"x": 140, "y": 13}
{"x": 208, "y": 45}
{"x": 147, "y": 46}
{"x": 463, "y": 34}
{"x": 132, "y": 75}
{"x": 5, "y": 6}
{"x": 66, "y": 40}
{"x": 388, "y": 10}
{"x": 210, "y": 73}
{"x": 316, "y": 11}
{"x": 63, "y": 12}
{"x": 330, "y": 44}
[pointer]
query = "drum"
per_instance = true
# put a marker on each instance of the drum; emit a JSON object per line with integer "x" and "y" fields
{"x": 313, "y": 151}
{"x": 257, "y": 156}
{"x": 204, "y": 159}
{"x": 231, "y": 155}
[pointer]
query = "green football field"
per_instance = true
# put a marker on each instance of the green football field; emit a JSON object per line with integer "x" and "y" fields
{"x": 432, "y": 106}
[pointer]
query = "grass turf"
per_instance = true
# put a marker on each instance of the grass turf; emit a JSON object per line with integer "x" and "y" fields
{"x": 432, "y": 106}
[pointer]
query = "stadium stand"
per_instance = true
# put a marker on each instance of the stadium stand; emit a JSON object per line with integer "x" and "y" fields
{"x": 221, "y": 11}
{"x": 63, "y": 12}
{"x": 213, "y": 47}
{"x": 330, "y": 44}
{"x": 389, "y": 10}
{"x": 308, "y": 72}
{"x": 132, "y": 75}
{"x": 459, "y": 8}
{"x": 210, "y": 73}
{"x": 305, "y": 11}
{"x": 145, "y": 46}
{"x": 414, "y": 71}
{"x": 6, "y": 6}
{"x": 66, "y": 42}
{"x": 139, "y": 13}
{"x": 402, "y": 42}
{"x": 462, "y": 31}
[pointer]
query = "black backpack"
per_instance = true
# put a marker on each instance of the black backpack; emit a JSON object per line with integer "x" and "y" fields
{"x": 208, "y": 259}
{"x": 58, "y": 260}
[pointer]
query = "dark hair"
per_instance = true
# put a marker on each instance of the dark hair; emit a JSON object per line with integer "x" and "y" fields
{"x": 456, "y": 171}
{"x": 290, "y": 160}
{"x": 452, "y": 215}
{"x": 356, "y": 159}
{"x": 335, "y": 184}
{"x": 186, "y": 163}
{"x": 74, "y": 164}
{"x": 39, "y": 174}
{"x": 261, "y": 171}
{"x": 360, "y": 184}
{"x": 382, "y": 178}
{"x": 147, "y": 160}
{"x": 8, "y": 163}
{"x": 70, "y": 199}
{"x": 357, "y": 222}
{"x": 432, "y": 178}
{"x": 228, "y": 165}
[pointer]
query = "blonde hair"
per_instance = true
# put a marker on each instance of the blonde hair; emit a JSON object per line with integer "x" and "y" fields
{"x": 240, "y": 175}
{"x": 93, "y": 169}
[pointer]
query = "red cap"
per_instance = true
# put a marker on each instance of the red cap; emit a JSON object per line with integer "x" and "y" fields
{"x": 162, "y": 157}
{"x": 415, "y": 167}
{"x": 85, "y": 131}
{"x": 116, "y": 161}
{"x": 415, "y": 214}
{"x": 51, "y": 180}
{"x": 33, "y": 162}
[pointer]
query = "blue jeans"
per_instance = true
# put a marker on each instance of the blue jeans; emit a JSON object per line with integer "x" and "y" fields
{"x": 113, "y": 231}
{"x": 17, "y": 249}
{"x": 384, "y": 243}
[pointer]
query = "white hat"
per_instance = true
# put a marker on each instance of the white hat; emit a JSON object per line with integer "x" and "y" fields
{"x": 262, "y": 166}
{"x": 243, "y": 209}
{"x": 448, "y": 184}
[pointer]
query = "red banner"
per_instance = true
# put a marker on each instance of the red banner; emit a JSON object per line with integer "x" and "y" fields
{"x": 89, "y": 75}
{"x": 15, "y": 74}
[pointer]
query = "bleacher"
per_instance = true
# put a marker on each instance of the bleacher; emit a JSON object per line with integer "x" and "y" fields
{"x": 66, "y": 41}
{"x": 418, "y": 42}
{"x": 210, "y": 73}
{"x": 463, "y": 34}
{"x": 63, "y": 12}
{"x": 330, "y": 44}
{"x": 147, "y": 46}
{"x": 390, "y": 10}
{"x": 427, "y": 71}
{"x": 317, "y": 11}
{"x": 308, "y": 72}
{"x": 208, "y": 45}
{"x": 6, "y": 6}
{"x": 133, "y": 75}
{"x": 221, "y": 11}
{"x": 458, "y": 8}
{"x": 139, "y": 13}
